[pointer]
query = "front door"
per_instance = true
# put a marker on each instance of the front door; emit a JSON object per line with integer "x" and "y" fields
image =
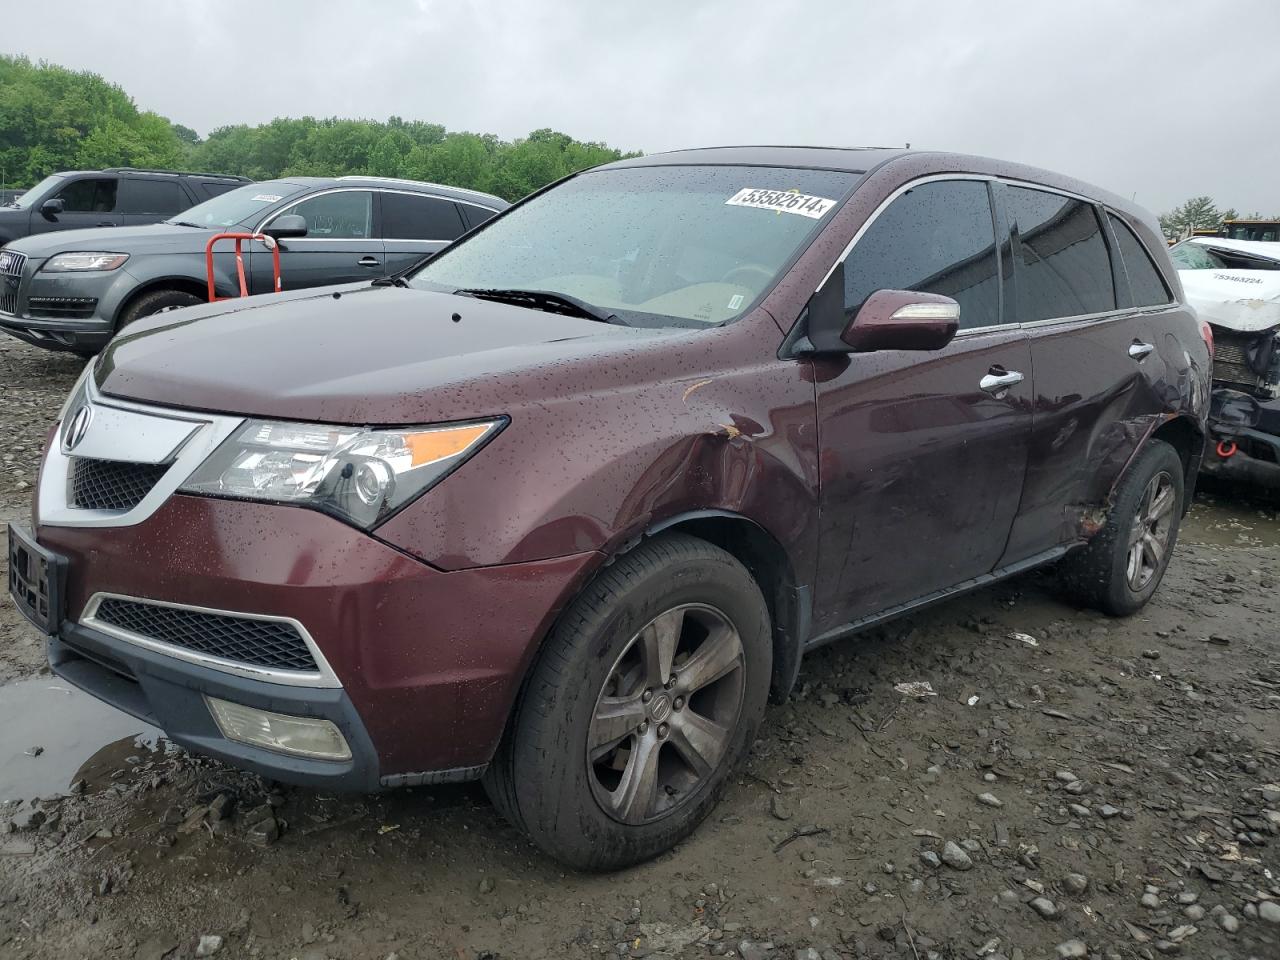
{"x": 341, "y": 245}
{"x": 86, "y": 202}
{"x": 922, "y": 453}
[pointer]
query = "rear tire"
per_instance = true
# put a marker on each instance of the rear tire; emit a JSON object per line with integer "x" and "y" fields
{"x": 603, "y": 765}
{"x": 156, "y": 301}
{"x": 1124, "y": 563}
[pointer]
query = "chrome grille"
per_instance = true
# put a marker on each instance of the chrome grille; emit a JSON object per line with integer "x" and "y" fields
{"x": 111, "y": 484}
{"x": 12, "y": 264}
{"x": 273, "y": 644}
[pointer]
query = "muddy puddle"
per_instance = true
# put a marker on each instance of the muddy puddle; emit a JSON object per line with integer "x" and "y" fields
{"x": 52, "y": 734}
{"x": 1220, "y": 521}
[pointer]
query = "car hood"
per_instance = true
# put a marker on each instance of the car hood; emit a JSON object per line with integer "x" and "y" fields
{"x": 151, "y": 238}
{"x": 362, "y": 354}
{"x": 1247, "y": 301}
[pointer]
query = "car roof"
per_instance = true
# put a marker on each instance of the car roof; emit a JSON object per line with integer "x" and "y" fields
{"x": 1270, "y": 249}
{"x": 848, "y": 159}
{"x": 865, "y": 160}
{"x": 422, "y": 186}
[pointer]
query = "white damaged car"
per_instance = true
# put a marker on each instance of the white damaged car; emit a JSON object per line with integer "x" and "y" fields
{"x": 1235, "y": 286}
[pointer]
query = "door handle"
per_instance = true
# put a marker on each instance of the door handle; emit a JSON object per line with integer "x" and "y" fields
{"x": 1139, "y": 350}
{"x": 369, "y": 262}
{"x": 999, "y": 380}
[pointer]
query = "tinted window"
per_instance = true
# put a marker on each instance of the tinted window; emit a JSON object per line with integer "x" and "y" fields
{"x": 474, "y": 215}
{"x": 215, "y": 188}
{"x": 90, "y": 195}
{"x": 406, "y": 217}
{"x": 1146, "y": 287}
{"x": 162, "y": 197}
{"x": 1063, "y": 269}
{"x": 346, "y": 215}
{"x": 935, "y": 238}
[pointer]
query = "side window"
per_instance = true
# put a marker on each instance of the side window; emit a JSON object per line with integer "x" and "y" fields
{"x": 409, "y": 217}
{"x": 156, "y": 197}
{"x": 475, "y": 215}
{"x": 345, "y": 215}
{"x": 89, "y": 195}
{"x": 1146, "y": 285}
{"x": 935, "y": 238}
{"x": 1063, "y": 267}
{"x": 213, "y": 188}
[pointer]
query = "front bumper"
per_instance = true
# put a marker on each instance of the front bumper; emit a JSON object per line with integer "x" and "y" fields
{"x": 43, "y": 311}
{"x": 169, "y": 694}
{"x": 428, "y": 662}
{"x": 1244, "y": 439}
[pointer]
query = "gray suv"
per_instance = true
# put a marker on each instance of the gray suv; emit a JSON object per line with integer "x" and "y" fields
{"x": 115, "y": 197}
{"x": 74, "y": 291}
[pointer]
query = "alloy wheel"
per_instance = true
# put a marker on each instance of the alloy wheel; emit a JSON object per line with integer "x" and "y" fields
{"x": 1150, "y": 535}
{"x": 665, "y": 716}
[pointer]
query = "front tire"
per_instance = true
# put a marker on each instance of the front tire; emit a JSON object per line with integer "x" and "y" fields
{"x": 1124, "y": 563}
{"x": 155, "y": 301}
{"x": 643, "y": 700}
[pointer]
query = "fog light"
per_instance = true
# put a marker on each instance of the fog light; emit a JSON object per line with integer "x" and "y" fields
{"x": 300, "y": 736}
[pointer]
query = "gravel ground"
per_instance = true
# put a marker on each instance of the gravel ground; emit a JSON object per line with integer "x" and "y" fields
{"x": 1077, "y": 787}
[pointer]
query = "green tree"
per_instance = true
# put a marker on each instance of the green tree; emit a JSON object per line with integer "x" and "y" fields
{"x": 53, "y": 119}
{"x": 1198, "y": 213}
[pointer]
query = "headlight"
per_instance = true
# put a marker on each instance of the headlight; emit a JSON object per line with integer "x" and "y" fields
{"x": 362, "y": 476}
{"x": 71, "y": 262}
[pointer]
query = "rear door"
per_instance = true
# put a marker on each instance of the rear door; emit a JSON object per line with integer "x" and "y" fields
{"x": 91, "y": 201}
{"x": 1096, "y": 359}
{"x": 415, "y": 226}
{"x": 922, "y": 453}
{"x": 151, "y": 199}
{"x": 341, "y": 246}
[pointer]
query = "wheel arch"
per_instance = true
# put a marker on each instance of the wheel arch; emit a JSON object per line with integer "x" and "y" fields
{"x": 789, "y": 603}
{"x": 1187, "y": 437}
{"x": 198, "y": 288}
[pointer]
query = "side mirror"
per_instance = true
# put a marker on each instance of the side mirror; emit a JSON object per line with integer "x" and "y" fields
{"x": 51, "y": 208}
{"x": 887, "y": 320}
{"x": 287, "y": 226}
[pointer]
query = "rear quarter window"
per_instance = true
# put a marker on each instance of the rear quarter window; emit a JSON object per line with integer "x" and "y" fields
{"x": 1146, "y": 286}
{"x": 1063, "y": 269}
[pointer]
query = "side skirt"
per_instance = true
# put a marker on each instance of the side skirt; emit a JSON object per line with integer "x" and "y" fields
{"x": 938, "y": 596}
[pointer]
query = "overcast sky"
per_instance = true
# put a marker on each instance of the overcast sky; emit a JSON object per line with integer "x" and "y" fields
{"x": 1155, "y": 99}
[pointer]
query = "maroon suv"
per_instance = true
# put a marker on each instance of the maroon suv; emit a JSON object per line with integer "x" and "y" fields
{"x": 564, "y": 506}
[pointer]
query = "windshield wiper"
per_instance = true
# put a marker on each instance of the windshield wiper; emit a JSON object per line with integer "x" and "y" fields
{"x": 392, "y": 281}
{"x": 184, "y": 223}
{"x": 547, "y": 300}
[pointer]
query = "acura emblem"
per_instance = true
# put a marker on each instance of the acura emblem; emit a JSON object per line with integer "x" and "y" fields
{"x": 77, "y": 427}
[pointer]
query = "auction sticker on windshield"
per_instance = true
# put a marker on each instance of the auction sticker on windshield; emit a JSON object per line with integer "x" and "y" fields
{"x": 782, "y": 201}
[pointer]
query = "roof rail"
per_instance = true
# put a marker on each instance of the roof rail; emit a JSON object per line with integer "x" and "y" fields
{"x": 416, "y": 183}
{"x": 177, "y": 173}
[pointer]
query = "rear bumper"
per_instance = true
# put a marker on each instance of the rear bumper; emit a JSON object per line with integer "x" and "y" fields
{"x": 428, "y": 663}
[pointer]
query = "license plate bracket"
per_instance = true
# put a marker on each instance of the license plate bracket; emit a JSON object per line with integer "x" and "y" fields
{"x": 37, "y": 579}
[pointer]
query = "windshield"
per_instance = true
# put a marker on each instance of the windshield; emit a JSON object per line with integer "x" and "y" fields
{"x": 1197, "y": 256}
{"x": 657, "y": 246}
{"x": 238, "y": 205}
{"x": 27, "y": 199}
